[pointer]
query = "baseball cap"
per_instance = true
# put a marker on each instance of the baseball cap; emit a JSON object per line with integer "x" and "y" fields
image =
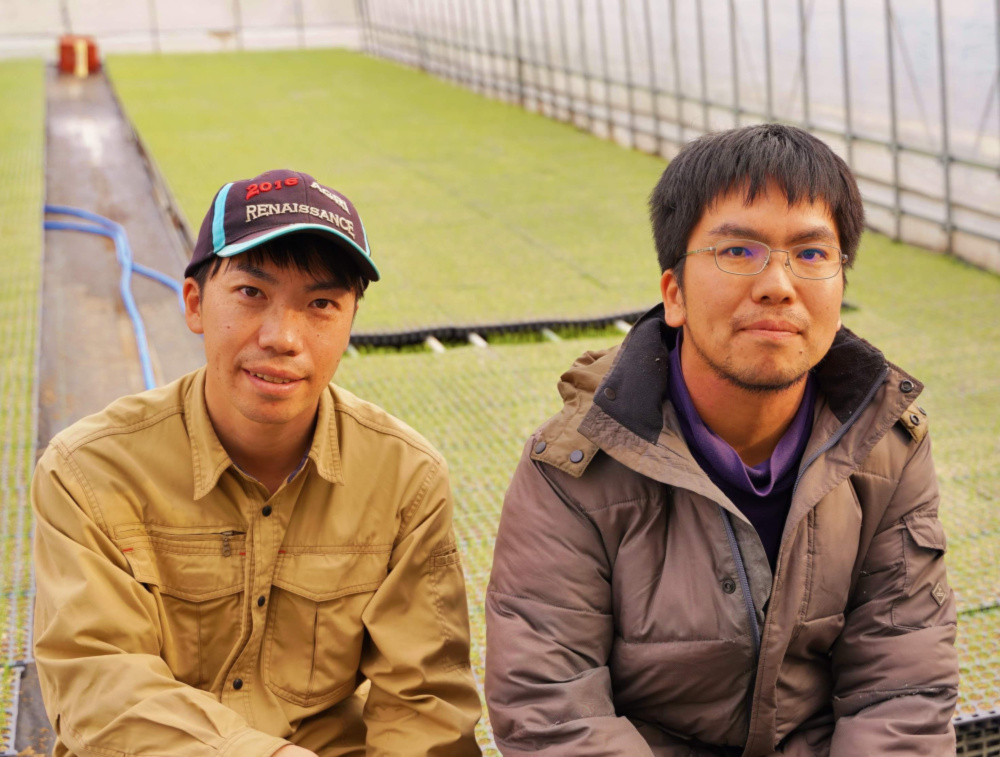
{"x": 245, "y": 214}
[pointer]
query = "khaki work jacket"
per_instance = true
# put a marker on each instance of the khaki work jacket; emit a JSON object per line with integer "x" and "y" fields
{"x": 632, "y": 609}
{"x": 183, "y": 611}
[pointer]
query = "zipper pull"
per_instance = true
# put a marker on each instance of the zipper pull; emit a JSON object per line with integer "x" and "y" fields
{"x": 226, "y": 551}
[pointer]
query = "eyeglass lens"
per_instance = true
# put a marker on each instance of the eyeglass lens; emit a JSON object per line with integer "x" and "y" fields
{"x": 746, "y": 257}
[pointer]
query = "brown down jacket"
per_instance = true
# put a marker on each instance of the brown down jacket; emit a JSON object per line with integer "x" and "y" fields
{"x": 632, "y": 610}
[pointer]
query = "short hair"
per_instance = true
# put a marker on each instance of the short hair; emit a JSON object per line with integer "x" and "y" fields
{"x": 305, "y": 252}
{"x": 747, "y": 159}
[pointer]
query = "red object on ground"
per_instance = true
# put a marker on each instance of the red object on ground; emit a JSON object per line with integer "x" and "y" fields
{"x": 78, "y": 55}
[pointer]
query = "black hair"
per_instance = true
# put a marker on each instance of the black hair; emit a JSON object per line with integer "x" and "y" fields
{"x": 308, "y": 253}
{"x": 747, "y": 159}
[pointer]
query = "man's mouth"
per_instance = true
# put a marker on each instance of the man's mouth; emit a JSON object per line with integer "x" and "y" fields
{"x": 276, "y": 377}
{"x": 775, "y": 326}
{"x": 272, "y": 379}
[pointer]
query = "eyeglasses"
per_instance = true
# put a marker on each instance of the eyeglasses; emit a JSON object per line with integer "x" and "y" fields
{"x": 745, "y": 257}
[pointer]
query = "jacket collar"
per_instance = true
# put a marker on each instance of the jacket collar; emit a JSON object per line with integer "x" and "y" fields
{"x": 633, "y": 391}
{"x": 209, "y": 458}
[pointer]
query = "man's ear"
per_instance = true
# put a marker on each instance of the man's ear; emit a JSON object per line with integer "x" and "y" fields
{"x": 673, "y": 300}
{"x": 192, "y": 305}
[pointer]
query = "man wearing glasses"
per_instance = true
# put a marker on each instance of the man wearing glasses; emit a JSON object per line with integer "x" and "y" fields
{"x": 727, "y": 542}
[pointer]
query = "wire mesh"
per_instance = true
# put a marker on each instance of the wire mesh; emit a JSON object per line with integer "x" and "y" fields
{"x": 22, "y": 133}
{"x": 478, "y": 408}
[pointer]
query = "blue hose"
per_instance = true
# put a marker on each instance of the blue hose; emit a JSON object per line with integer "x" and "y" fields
{"x": 123, "y": 252}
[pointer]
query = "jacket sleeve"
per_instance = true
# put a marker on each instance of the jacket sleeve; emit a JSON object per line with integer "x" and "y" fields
{"x": 423, "y": 698}
{"x": 895, "y": 667}
{"x": 549, "y": 630}
{"x": 107, "y": 690}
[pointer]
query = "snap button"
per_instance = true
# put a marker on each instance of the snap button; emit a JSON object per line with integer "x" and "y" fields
{"x": 238, "y": 684}
{"x": 540, "y": 448}
{"x": 610, "y": 393}
{"x": 576, "y": 456}
{"x": 922, "y": 411}
{"x": 915, "y": 419}
{"x": 266, "y": 512}
{"x": 729, "y": 586}
{"x": 906, "y": 386}
{"x": 260, "y": 601}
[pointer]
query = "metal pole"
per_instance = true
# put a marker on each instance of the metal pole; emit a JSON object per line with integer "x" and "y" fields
{"x": 372, "y": 23}
{"x": 477, "y": 55}
{"x": 630, "y": 92}
{"x": 653, "y": 88}
{"x": 300, "y": 17}
{"x": 476, "y": 28}
{"x": 564, "y": 48}
{"x": 439, "y": 36}
{"x": 494, "y": 54}
{"x": 602, "y": 38}
{"x": 893, "y": 125}
{"x": 767, "y": 61}
{"x": 238, "y": 23}
{"x": 677, "y": 72}
{"x": 64, "y": 12}
{"x": 423, "y": 53}
{"x": 360, "y": 11}
{"x": 506, "y": 55}
{"x": 701, "y": 66}
{"x": 945, "y": 138}
{"x": 804, "y": 63}
{"x": 452, "y": 41}
{"x": 585, "y": 65}
{"x": 846, "y": 68}
{"x": 463, "y": 39}
{"x": 154, "y": 24}
{"x": 998, "y": 60}
{"x": 544, "y": 26}
{"x": 517, "y": 48}
{"x": 734, "y": 61}
{"x": 529, "y": 48}
{"x": 430, "y": 42}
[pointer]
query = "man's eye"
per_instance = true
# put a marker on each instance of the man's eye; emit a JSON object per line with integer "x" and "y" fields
{"x": 812, "y": 255}
{"x": 250, "y": 291}
{"x": 324, "y": 304}
{"x": 736, "y": 251}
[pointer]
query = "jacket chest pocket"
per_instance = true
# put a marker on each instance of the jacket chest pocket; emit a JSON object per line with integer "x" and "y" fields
{"x": 315, "y": 632}
{"x": 197, "y": 579}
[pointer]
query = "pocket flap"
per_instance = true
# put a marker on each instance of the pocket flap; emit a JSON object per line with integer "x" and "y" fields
{"x": 192, "y": 576}
{"x": 321, "y": 576}
{"x": 926, "y": 531}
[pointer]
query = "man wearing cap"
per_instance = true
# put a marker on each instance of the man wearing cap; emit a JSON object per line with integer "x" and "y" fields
{"x": 251, "y": 560}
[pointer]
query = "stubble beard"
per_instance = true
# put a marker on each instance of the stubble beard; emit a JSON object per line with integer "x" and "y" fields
{"x": 748, "y": 380}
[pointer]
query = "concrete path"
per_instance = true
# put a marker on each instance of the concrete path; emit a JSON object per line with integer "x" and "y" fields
{"x": 89, "y": 357}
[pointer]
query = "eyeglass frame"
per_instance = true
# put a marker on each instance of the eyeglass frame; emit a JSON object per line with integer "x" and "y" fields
{"x": 788, "y": 258}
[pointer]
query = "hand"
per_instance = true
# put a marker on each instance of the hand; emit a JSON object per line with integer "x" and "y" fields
{"x": 293, "y": 751}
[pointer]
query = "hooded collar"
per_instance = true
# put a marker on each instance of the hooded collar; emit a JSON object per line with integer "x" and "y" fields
{"x": 209, "y": 458}
{"x": 633, "y": 391}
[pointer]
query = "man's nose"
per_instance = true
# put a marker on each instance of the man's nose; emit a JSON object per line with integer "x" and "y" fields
{"x": 281, "y": 331}
{"x": 776, "y": 282}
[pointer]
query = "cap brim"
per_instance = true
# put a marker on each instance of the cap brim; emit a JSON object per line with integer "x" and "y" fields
{"x": 368, "y": 267}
